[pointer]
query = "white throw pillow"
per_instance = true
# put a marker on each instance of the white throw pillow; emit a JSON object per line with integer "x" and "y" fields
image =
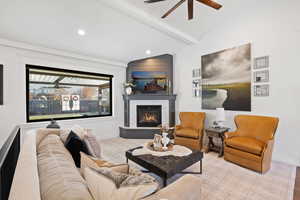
{"x": 107, "y": 184}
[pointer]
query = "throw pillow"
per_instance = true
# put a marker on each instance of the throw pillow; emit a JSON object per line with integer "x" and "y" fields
{"x": 64, "y": 133}
{"x": 95, "y": 163}
{"x": 78, "y": 130}
{"x": 75, "y": 145}
{"x": 106, "y": 184}
{"x": 92, "y": 144}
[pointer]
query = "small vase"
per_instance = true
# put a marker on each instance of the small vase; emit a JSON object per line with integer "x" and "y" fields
{"x": 128, "y": 90}
{"x": 165, "y": 141}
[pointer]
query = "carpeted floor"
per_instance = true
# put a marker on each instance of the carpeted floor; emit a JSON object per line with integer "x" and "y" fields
{"x": 222, "y": 180}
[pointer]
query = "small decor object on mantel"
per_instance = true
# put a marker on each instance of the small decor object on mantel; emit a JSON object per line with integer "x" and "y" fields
{"x": 128, "y": 87}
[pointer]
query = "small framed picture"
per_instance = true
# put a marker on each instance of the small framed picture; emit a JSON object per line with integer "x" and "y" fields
{"x": 261, "y": 90}
{"x": 261, "y": 62}
{"x": 261, "y": 76}
{"x": 196, "y": 93}
{"x": 196, "y": 83}
{"x": 196, "y": 73}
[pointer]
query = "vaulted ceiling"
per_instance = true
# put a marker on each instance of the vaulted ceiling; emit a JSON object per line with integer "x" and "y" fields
{"x": 121, "y": 30}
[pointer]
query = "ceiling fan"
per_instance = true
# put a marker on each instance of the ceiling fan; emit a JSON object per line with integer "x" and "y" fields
{"x": 190, "y": 3}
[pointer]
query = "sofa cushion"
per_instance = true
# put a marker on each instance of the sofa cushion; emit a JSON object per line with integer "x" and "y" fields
{"x": 107, "y": 184}
{"x": 92, "y": 144}
{"x": 95, "y": 163}
{"x": 247, "y": 144}
{"x": 188, "y": 132}
{"x": 75, "y": 145}
{"x": 58, "y": 176}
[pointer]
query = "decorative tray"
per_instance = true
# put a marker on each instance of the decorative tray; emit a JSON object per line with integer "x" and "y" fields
{"x": 150, "y": 146}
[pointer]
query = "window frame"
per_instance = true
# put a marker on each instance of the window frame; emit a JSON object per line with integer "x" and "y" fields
{"x": 29, "y": 66}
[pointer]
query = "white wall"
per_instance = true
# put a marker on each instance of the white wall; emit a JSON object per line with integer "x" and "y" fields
{"x": 273, "y": 29}
{"x": 13, "y": 112}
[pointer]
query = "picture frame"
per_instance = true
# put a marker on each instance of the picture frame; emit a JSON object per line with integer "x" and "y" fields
{"x": 196, "y": 83}
{"x": 196, "y": 72}
{"x": 262, "y": 90}
{"x": 1, "y": 84}
{"x": 261, "y": 76}
{"x": 261, "y": 62}
{"x": 197, "y": 92}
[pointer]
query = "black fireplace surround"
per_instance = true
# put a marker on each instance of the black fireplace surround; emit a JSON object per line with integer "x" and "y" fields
{"x": 148, "y": 115}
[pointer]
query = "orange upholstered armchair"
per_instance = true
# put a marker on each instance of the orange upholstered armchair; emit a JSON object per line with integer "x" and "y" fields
{"x": 251, "y": 145}
{"x": 190, "y": 132}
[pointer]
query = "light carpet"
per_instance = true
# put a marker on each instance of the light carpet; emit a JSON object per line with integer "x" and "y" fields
{"x": 221, "y": 180}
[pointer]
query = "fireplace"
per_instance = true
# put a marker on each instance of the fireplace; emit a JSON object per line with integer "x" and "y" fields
{"x": 148, "y": 115}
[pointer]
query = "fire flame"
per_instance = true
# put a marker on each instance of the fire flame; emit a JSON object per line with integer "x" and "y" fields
{"x": 149, "y": 117}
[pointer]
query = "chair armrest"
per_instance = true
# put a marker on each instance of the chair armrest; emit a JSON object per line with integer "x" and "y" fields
{"x": 268, "y": 148}
{"x": 187, "y": 187}
{"x": 230, "y": 134}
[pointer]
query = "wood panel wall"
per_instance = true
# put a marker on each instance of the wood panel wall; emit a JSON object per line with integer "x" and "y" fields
{"x": 162, "y": 63}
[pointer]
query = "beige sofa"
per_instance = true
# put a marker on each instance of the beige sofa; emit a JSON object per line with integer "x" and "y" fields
{"x": 26, "y": 183}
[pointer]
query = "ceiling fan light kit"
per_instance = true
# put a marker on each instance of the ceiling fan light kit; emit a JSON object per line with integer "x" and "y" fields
{"x": 190, "y": 4}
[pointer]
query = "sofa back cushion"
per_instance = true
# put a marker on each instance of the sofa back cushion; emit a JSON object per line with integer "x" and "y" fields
{"x": 59, "y": 177}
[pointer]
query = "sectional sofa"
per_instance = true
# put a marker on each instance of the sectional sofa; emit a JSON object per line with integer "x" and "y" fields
{"x": 27, "y": 180}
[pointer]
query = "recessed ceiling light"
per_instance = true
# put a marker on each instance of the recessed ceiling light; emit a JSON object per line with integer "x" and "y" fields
{"x": 148, "y": 52}
{"x": 81, "y": 32}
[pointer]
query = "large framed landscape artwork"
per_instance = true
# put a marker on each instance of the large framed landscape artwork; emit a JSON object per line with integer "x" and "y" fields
{"x": 226, "y": 77}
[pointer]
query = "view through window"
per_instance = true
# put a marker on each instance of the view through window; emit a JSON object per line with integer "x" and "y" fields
{"x": 65, "y": 94}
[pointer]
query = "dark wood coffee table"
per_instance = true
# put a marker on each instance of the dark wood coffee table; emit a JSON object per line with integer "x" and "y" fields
{"x": 166, "y": 166}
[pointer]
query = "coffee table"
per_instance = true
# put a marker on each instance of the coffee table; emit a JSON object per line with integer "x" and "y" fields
{"x": 166, "y": 166}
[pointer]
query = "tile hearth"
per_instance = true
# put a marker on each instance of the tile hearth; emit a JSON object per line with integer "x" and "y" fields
{"x": 222, "y": 180}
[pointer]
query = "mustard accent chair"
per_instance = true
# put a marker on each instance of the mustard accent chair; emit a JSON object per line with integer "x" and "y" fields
{"x": 251, "y": 145}
{"x": 190, "y": 132}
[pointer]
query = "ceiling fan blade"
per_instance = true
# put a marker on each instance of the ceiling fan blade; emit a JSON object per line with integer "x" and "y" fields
{"x": 172, "y": 9}
{"x": 211, "y": 3}
{"x": 191, "y": 9}
{"x": 153, "y": 1}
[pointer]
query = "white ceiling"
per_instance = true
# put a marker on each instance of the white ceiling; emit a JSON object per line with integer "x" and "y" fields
{"x": 109, "y": 33}
{"x": 205, "y": 18}
{"x": 120, "y": 30}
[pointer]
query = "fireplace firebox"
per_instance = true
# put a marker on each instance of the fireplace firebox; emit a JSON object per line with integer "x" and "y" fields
{"x": 149, "y": 115}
